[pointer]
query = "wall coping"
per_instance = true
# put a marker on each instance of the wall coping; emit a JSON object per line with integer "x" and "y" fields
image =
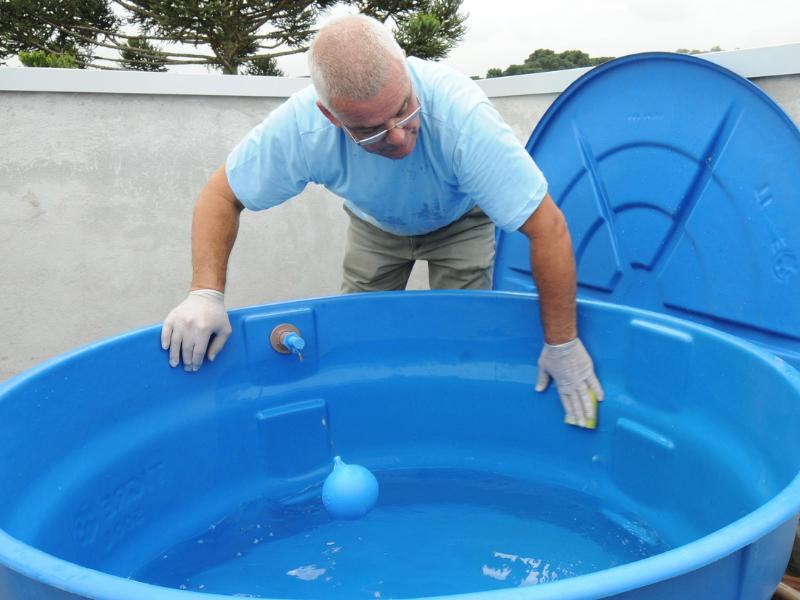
{"x": 750, "y": 63}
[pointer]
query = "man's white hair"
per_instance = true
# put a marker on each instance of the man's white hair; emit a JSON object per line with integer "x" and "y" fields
{"x": 351, "y": 57}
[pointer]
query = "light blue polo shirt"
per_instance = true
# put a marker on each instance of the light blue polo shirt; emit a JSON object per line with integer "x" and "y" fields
{"x": 465, "y": 155}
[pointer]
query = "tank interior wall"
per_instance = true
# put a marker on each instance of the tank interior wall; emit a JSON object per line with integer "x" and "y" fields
{"x": 119, "y": 455}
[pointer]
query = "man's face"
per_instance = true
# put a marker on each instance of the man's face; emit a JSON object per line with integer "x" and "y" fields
{"x": 364, "y": 118}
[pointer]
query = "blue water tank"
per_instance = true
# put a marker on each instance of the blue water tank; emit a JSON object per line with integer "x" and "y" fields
{"x": 125, "y": 479}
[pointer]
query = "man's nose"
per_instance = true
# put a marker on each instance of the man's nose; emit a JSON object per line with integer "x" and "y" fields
{"x": 396, "y": 136}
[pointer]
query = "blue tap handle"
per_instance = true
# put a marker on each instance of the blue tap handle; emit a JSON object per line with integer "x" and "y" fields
{"x": 294, "y": 343}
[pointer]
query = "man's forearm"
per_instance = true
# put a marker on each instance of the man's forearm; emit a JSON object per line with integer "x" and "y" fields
{"x": 214, "y": 228}
{"x": 569, "y": 365}
{"x": 554, "y": 273}
{"x": 553, "y": 267}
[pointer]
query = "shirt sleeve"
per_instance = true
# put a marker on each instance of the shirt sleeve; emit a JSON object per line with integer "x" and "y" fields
{"x": 268, "y": 166}
{"x": 495, "y": 170}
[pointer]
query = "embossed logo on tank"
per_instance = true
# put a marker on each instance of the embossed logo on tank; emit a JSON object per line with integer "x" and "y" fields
{"x": 784, "y": 259}
{"x": 119, "y": 511}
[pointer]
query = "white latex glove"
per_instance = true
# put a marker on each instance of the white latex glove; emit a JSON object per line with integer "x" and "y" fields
{"x": 190, "y": 325}
{"x": 573, "y": 371}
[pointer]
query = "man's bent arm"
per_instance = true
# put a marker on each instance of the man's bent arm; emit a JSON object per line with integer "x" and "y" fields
{"x": 563, "y": 357}
{"x": 553, "y": 267}
{"x": 214, "y": 228}
{"x": 200, "y": 323}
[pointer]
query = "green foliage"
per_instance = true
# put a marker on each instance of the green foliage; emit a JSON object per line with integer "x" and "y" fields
{"x": 432, "y": 34}
{"x": 263, "y": 66}
{"x": 224, "y": 34}
{"x": 547, "y": 60}
{"x": 53, "y": 60}
{"x": 29, "y": 25}
{"x": 687, "y": 51}
{"x": 233, "y": 30}
{"x": 417, "y": 36}
{"x": 427, "y": 29}
{"x": 140, "y": 55}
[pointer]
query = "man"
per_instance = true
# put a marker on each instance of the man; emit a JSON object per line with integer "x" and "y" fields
{"x": 420, "y": 158}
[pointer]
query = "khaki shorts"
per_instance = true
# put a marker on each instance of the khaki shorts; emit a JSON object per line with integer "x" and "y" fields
{"x": 460, "y": 255}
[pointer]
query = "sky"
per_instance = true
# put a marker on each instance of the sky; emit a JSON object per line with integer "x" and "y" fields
{"x": 503, "y": 32}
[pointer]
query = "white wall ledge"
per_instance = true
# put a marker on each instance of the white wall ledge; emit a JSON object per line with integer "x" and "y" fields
{"x": 750, "y": 63}
{"x": 88, "y": 81}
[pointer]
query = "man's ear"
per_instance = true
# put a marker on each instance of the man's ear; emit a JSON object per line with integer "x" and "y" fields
{"x": 330, "y": 116}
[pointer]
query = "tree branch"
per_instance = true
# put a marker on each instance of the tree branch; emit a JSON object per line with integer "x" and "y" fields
{"x": 117, "y": 34}
{"x": 276, "y": 35}
{"x": 121, "y": 47}
{"x": 289, "y": 52}
{"x": 166, "y": 61}
{"x": 136, "y": 9}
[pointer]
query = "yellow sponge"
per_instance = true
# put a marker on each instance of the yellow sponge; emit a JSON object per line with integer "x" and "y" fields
{"x": 590, "y": 423}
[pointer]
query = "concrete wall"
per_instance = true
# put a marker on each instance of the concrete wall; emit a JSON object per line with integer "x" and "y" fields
{"x": 98, "y": 178}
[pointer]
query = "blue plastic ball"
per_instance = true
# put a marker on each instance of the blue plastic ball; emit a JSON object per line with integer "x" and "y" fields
{"x": 350, "y": 491}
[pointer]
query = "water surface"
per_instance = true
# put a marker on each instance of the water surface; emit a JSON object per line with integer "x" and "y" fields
{"x": 433, "y": 532}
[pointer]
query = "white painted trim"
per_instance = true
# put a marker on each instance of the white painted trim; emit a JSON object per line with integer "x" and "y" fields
{"x": 552, "y": 82}
{"x": 760, "y": 62}
{"x": 22, "y": 79}
{"x": 750, "y": 63}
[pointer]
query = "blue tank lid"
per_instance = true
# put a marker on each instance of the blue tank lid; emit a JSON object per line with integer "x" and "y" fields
{"x": 680, "y": 181}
